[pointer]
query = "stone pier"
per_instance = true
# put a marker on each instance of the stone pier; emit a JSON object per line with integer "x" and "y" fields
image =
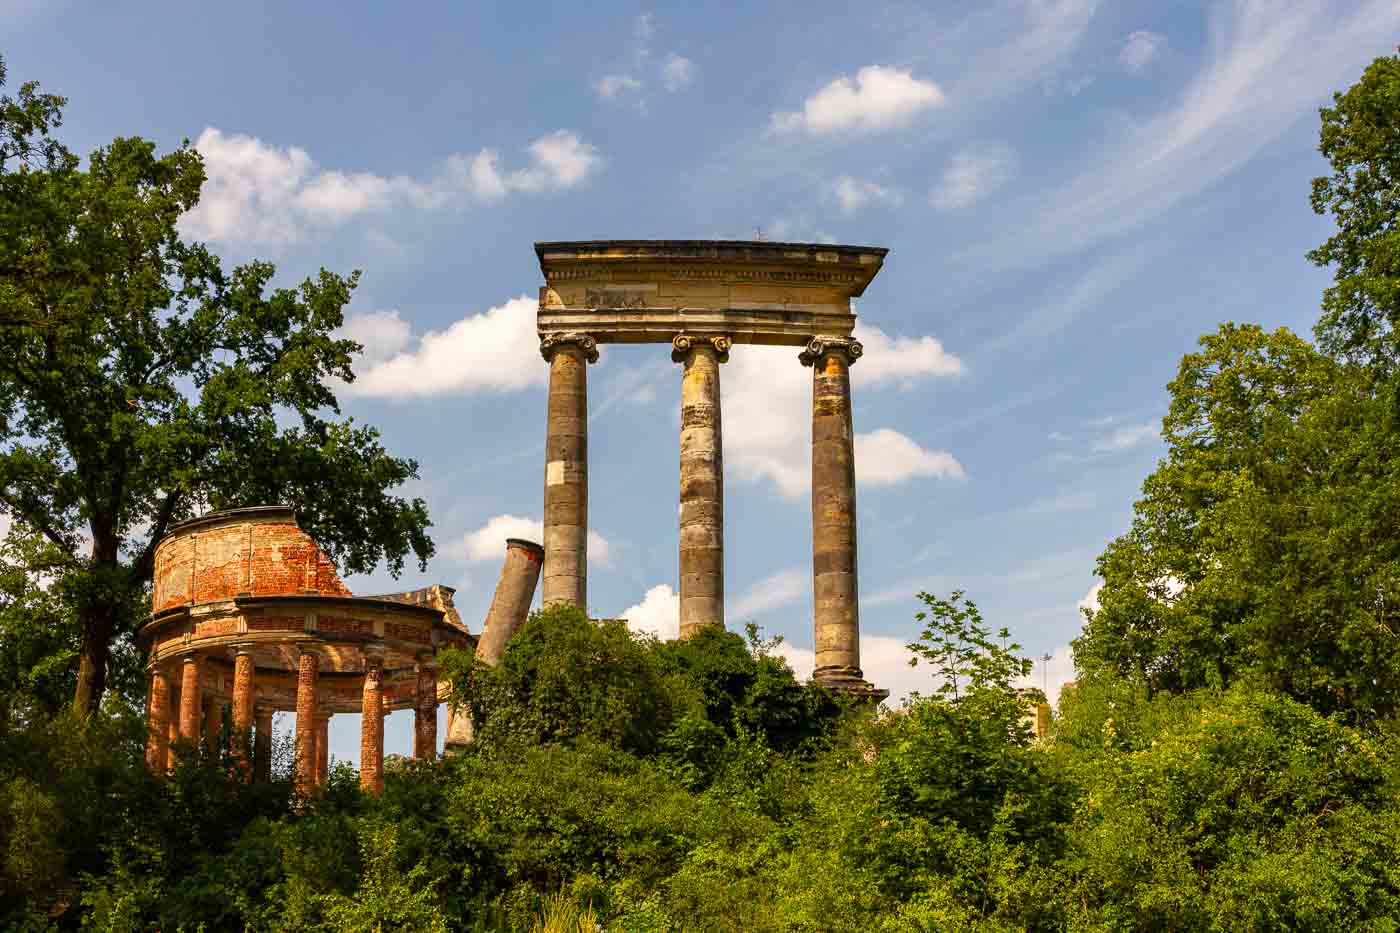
{"x": 425, "y": 711}
{"x": 702, "y": 482}
{"x": 566, "y": 469}
{"x": 308, "y": 670}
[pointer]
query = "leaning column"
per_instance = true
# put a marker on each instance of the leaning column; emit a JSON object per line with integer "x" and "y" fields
{"x": 702, "y": 482}
{"x": 566, "y": 468}
{"x": 372, "y": 726}
{"x": 837, "y": 612}
{"x": 308, "y": 671}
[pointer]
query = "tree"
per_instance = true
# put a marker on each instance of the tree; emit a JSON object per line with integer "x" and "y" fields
{"x": 140, "y": 382}
{"x": 1361, "y": 140}
{"x": 1266, "y": 545}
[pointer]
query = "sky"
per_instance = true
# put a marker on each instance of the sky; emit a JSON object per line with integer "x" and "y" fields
{"x": 1071, "y": 191}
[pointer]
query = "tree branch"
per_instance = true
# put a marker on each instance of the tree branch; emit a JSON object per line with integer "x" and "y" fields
{"x": 141, "y": 569}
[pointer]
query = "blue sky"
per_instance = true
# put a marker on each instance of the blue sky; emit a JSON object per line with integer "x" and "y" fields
{"x": 1071, "y": 192}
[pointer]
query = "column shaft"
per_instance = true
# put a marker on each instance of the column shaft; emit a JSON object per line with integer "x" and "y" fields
{"x": 566, "y": 470}
{"x": 372, "y": 728}
{"x": 191, "y": 705}
{"x": 701, "y": 483}
{"x": 323, "y": 749}
{"x": 262, "y": 744}
{"x": 510, "y": 605}
{"x": 158, "y": 721}
{"x": 837, "y": 615}
{"x": 213, "y": 723}
{"x": 308, "y": 670}
{"x": 425, "y": 713}
{"x": 244, "y": 670}
{"x": 174, "y": 717}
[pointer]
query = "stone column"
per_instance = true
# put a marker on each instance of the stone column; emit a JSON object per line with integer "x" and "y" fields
{"x": 191, "y": 705}
{"x": 262, "y": 744}
{"x": 323, "y": 749}
{"x": 158, "y": 721}
{"x": 566, "y": 468}
{"x": 372, "y": 726}
{"x": 213, "y": 721}
{"x": 702, "y": 482}
{"x": 837, "y": 616}
{"x": 510, "y": 605}
{"x": 244, "y": 669}
{"x": 425, "y": 711}
{"x": 308, "y": 670}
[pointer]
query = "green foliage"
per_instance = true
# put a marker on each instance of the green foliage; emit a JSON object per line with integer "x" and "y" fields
{"x": 1361, "y": 140}
{"x": 142, "y": 382}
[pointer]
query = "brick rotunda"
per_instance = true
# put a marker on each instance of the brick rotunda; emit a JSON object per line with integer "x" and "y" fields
{"x": 249, "y": 616}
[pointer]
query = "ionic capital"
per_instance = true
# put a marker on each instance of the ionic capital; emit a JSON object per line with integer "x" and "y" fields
{"x": 818, "y": 347}
{"x": 683, "y": 344}
{"x": 550, "y": 344}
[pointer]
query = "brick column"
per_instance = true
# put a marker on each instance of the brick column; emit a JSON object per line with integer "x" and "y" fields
{"x": 425, "y": 711}
{"x": 323, "y": 749}
{"x": 244, "y": 671}
{"x": 191, "y": 697}
{"x": 262, "y": 744}
{"x": 213, "y": 723}
{"x": 158, "y": 721}
{"x": 837, "y": 615}
{"x": 308, "y": 670}
{"x": 372, "y": 726}
{"x": 566, "y": 468}
{"x": 702, "y": 483}
{"x": 171, "y": 760}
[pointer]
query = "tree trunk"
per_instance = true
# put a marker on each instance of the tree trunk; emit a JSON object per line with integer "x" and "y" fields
{"x": 98, "y": 616}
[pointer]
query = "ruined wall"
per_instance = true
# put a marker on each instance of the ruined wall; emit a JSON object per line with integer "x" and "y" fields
{"x": 260, "y": 552}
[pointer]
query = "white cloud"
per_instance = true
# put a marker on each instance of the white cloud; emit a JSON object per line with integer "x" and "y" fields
{"x": 972, "y": 175}
{"x": 659, "y": 613}
{"x": 1127, "y": 437}
{"x": 853, "y": 194}
{"x": 886, "y": 458}
{"x": 1090, "y": 601}
{"x": 1269, "y": 63}
{"x": 677, "y": 73}
{"x": 771, "y": 592}
{"x": 257, "y": 192}
{"x": 1140, "y": 48}
{"x": 488, "y": 543}
{"x": 497, "y": 350}
{"x": 880, "y": 97}
{"x": 773, "y": 439}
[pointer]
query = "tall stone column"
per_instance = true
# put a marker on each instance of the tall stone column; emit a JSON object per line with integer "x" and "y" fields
{"x": 425, "y": 711}
{"x": 191, "y": 699}
{"x": 702, "y": 482}
{"x": 171, "y": 759}
{"x": 510, "y": 605}
{"x": 308, "y": 672}
{"x": 213, "y": 722}
{"x": 566, "y": 469}
{"x": 158, "y": 721}
{"x": 323, "y": 749}
{"x": 262, "y": 744}
{"x": 372, "y": 726}
{"x": 837, "y": 616}
{"x": 244, "y": 671}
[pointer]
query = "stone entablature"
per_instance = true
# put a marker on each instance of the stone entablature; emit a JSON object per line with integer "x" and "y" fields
{"x": 648, "y": 291}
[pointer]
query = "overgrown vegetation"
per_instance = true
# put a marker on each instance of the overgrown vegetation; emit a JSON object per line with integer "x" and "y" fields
{"x": 1228, "y": 759}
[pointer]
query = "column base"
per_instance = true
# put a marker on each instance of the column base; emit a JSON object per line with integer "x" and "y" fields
{"x": 453, "y": 749}
{"x": 849, "y": 681}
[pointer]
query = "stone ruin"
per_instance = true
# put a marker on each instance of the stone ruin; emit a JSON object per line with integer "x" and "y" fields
{"x": 248, "y": 613}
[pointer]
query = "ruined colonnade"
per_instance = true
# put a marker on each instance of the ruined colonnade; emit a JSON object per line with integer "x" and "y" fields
{"x": 703, "y": 297}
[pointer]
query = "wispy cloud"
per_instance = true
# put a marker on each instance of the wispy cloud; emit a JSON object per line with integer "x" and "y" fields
{"x": 1269, "y": 62}
{"x": 1140, "y": 48}
{"x": 852, "y": 194}
{"x": 630, "y": 80}
{"x": 774, "y": 591}
{"x": 973, "y": 174}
